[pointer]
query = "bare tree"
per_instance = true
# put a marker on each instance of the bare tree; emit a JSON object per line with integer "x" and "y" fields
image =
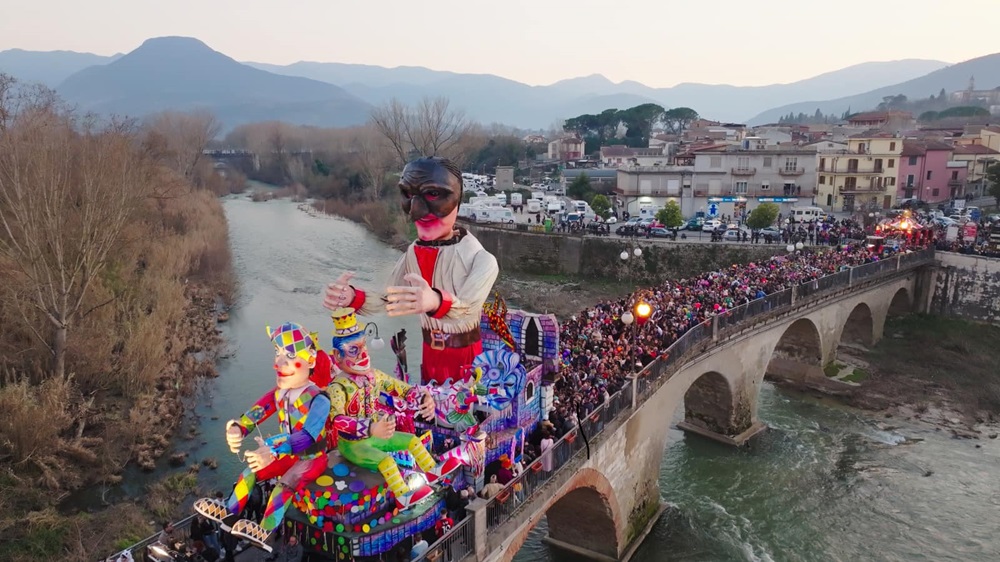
{"x": 431, "y": 128}
{"x": 375, "y": 158}
{"x": 392, "y": 120}
{"x": 184, "y": 136}
{"x": 67, "y": 191}
{"x": 436, "y": 129}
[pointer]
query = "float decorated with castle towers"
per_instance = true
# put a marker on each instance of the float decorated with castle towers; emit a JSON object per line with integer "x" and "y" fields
{"x": 362, "y": 459}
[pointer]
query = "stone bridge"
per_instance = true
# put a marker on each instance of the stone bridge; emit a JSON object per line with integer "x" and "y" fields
{"x": 603, "y": 496}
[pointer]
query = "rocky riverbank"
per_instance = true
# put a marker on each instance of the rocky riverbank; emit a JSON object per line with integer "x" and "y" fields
{"x": 193, "y": 359}
{"x": 563, "y": 296}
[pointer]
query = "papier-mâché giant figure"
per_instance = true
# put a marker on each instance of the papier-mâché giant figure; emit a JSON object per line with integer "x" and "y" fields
{"x": 297, "y": 455}
{"x": 363, "y": 437}
{"x": 445, "y": 276}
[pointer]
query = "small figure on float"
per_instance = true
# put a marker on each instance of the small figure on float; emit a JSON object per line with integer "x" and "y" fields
{"x": 362, "y": 436}
{"x": 445, "y": 276}
{"x": 297, "y": 455}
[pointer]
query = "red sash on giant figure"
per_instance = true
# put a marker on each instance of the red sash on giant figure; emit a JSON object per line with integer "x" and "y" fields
{"x": 442, "y": 363}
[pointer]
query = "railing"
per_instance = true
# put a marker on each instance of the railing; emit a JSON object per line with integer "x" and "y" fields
{"x": 744, "y": 171}
{"x": 791, "y": 171}
{"x": 525, "y": 486}
{"x": 454, "y": 545}
{"x": 139, "y": 549}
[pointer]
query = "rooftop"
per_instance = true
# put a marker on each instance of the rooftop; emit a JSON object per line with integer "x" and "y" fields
{"x": 919, "y": 148}
{"x": 974, "y": 149}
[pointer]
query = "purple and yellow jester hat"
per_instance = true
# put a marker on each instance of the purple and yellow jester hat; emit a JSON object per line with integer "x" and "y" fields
{"x": 294, "y": 339}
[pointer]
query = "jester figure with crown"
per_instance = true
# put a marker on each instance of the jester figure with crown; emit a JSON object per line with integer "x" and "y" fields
{"x": 297, "y": 455}
{"x": 364, "y": 435}
{"x": 445, "y": 276}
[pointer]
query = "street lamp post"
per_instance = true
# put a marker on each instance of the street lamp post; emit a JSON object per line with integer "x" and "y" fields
{"x": 628, "y": 319}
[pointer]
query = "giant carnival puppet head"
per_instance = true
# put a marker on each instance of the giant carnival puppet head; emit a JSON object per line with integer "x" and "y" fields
{"x": 350, "y": 348}
{"x": 431, "y": 189}
{"x": 295, "y": 354}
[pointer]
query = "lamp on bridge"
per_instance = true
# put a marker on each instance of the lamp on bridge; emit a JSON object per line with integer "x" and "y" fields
{"x": 799, "y": 245}
{"x": 624, "y": 255}
{"x": 642, "y": 312}
{"x": 627, "y": 318}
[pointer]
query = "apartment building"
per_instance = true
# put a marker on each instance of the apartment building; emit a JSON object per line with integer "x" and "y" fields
{"x": 863, "y": 177}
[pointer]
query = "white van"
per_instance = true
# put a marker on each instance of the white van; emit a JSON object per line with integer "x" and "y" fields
{"x": 501, "y": 197}
{"x": 534, "y": 206}
{"x": 495, "y": 214}
{"x": 806, "y": 214}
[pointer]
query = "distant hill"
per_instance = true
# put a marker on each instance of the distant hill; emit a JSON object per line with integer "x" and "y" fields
{"x": 490, "y": 98}
{"x": 176, "y": 72}
{"x": 952, "y": 78}
{"x": 184, "y": 73}
{"x": 48, "y": 67}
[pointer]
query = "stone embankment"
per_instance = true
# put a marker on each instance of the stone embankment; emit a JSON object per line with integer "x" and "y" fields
{"x": 590, "y": 257}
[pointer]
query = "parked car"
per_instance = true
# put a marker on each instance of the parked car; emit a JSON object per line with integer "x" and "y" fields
{"x": 732, "y": 235}
{"x": 770, "y": 231}
{"x": 711, "y": 225}
{"x": 695, "y": 224}
{"x": 660, "y": 232}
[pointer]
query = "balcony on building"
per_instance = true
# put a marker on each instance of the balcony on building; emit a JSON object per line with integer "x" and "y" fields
{"x": 744, "y": 171}
{"x": 791, "y": 171}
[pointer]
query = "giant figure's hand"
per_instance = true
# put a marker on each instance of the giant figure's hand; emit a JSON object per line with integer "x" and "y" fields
{"x": 383, "y": 429}
{"x": 427, "y": 407}
{"x": 416, "y": 298}
{"x": 261, "y": 457}
{"x": 234, "y": 436}
{"x": 339, "y": 293}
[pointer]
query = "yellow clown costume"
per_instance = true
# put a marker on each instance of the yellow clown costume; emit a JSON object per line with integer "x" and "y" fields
{"x": 354, "y": 393}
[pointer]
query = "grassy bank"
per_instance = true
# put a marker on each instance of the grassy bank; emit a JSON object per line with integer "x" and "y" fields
{"x": 929, "y": 362}
{"x": 131, "y": 362}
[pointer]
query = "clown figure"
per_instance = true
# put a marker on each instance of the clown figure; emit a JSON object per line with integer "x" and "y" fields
{"x": 445, "y": 276}
{"x": 364, "y": 438}
{"x": 297, "y": 454}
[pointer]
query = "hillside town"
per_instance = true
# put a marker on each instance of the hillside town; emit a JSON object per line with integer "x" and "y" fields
{"x": 870, "y": 161}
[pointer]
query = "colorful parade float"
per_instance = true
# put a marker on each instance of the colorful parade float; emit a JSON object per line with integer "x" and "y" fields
{"x": 363, "y": 460}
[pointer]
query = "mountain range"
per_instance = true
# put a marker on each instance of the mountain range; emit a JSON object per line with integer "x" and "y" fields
{"x": 182, "y": 73}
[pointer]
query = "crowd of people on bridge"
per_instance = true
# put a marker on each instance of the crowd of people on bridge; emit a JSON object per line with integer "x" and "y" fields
{"x": 601, "y": 351}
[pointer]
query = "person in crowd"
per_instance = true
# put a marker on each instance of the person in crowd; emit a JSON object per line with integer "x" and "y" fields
{"x": 492, "y": 489}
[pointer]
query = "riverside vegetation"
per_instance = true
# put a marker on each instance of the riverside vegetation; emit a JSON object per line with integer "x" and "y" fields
{"x": 351, "y": 172}
{"x": 114, "y": 264}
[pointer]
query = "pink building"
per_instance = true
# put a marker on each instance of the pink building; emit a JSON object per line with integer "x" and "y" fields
{"x": 928, "y": 172}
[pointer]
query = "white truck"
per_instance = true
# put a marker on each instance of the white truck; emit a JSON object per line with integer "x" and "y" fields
{"x": 534, "y": 206}
{"x": 501, "y": 197}
{"x": 515, "y": 199}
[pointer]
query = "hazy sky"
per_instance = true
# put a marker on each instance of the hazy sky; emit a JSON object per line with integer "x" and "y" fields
{"x": 658, "y": 42}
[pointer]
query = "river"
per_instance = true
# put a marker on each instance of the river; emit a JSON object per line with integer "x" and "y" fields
{"x": 826, "y": 483}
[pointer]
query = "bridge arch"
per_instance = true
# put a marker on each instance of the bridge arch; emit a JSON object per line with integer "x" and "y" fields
{"x": 901, "y": 304}
{"x": 799, "y": 350}
{"x": 584, "y": 514}
{"x": 859, "y": 328}
{"x": 708, "y": 403}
